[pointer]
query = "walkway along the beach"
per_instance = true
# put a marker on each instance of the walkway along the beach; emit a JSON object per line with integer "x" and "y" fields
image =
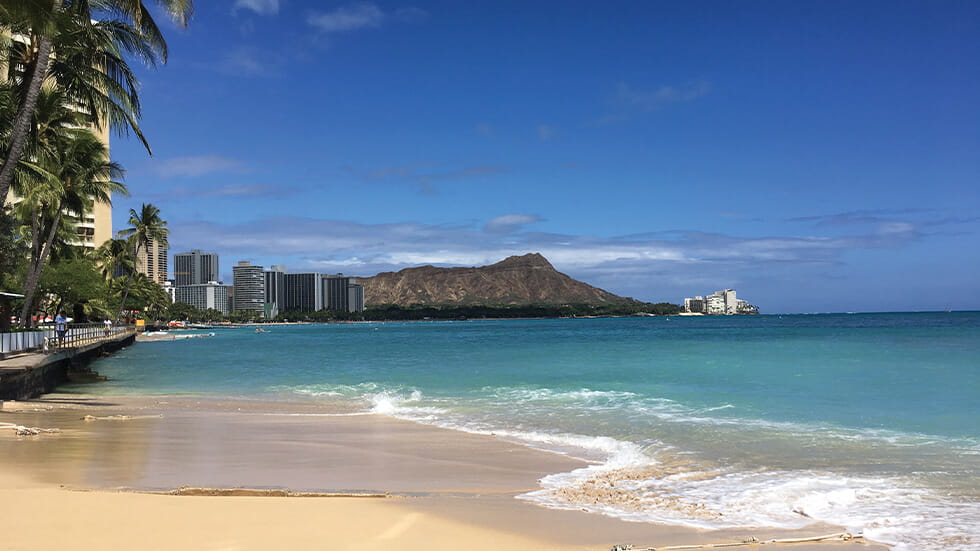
{"x": 30, "y": 374}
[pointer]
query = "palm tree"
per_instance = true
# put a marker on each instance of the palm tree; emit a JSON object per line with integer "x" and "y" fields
{"x": 115, "y": 255}
{"x": 150, "y": 297}
{"x": 76, "y": 174}
{"x": 84, "y": 56}
{"x": 145, "y": 226}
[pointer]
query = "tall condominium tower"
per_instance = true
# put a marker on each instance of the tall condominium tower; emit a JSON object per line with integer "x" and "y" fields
{"x": 304, "y": 292}
{"x": 249, "y": 282}
{"x": 195, "y": 268}
{"x": 342, "y": 293}
{"x": 275, "y": 291}
{"x": 93, "y": 227}
{"x": 355, "y": 297}
{"x": 152, "y": 261}
{"x": 335, "y": 295}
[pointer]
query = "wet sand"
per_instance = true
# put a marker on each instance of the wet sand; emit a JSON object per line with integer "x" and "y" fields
{"x": 439, "y": 488}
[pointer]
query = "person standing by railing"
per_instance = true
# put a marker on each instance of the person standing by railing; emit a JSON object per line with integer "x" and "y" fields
{"x": 108, "y": 326}
{"x": 61, "y": 327}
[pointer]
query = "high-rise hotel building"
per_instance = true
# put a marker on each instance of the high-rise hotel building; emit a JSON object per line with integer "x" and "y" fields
{"x": 93, "y": 227}
{"x": 304, "y": 292}
{"x": 152, "y": 261}
{"x": 275, "y": 290}
{"x": 195, "y": 268}
{"x": 249, "y": 284}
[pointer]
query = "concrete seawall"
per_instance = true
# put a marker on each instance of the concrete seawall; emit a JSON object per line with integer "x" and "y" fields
{"x": 30, "y": 375}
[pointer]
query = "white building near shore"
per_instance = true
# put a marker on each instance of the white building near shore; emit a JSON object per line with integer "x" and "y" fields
{"x": 719, "y": 303}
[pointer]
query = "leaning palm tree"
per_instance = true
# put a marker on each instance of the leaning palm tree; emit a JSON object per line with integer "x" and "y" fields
{"x": 145, "y": 226}
{"x": 76, "y": 175}
{"x": 82, "y": 45}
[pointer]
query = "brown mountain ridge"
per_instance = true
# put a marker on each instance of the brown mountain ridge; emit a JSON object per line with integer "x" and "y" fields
{"x": 527, "y": 279}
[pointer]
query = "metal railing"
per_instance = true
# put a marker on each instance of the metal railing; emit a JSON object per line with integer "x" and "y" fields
{"x": 23, "y": 340}
{"x": 47, "y": 338}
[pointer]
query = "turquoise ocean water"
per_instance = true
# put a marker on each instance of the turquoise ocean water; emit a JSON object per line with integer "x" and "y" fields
{"x": 871, "y": 421}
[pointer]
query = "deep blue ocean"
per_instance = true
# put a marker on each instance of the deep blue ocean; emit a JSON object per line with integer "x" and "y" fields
{"x": 871, "y": 421}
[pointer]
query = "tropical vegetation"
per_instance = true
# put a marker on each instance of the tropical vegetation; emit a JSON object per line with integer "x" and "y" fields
{"x": 81, "y": 48}
{"x": 65, "y": 80}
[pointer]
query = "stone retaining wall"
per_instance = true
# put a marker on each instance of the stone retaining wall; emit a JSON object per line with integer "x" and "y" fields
{"x": 37, "y": 374}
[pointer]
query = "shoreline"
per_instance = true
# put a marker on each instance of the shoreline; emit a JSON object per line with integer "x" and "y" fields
{"x": 448, "y": 481}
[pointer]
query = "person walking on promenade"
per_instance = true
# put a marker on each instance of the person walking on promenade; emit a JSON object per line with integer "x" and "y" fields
{"x": 108, "y": 326}
{"x": 61, "y": 327}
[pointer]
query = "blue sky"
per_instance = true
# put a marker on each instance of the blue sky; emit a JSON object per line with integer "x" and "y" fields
{"x": 815, "y": 156}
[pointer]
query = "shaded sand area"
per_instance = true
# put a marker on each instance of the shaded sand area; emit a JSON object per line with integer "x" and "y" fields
{"x": 97, "y": 483}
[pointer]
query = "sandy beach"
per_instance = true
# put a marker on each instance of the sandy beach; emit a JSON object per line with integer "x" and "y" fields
{"x": 105, "y": 479}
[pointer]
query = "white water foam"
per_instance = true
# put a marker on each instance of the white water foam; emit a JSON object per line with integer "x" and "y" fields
{"x": 890, "y": 510}
{"x": 640, "y": 483}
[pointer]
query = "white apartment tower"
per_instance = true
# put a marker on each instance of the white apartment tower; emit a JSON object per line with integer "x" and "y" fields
{"x": 249, "y": 283}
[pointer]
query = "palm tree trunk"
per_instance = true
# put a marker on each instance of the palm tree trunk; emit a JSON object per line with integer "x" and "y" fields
{"x": 129, "y": 283}
{"x": 35, "y": 233}
{"x": 22, "y": 123}
{"x": 34, "y": 273}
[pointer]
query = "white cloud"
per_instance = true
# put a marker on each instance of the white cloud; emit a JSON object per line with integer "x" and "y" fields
{"x": 261, "y": 7}
{"x": 629, "y": 102}
{"x": 652, "y": 266}
{"x": 349, "y": 18}
{"x": 427, "y": 175}
{"x": 649, "y": 101}
{"x": 510, "y": 222}
{"x": 195, "y": 166}
{"x": 377, "y": 247}
{"x": 242, "y": 61}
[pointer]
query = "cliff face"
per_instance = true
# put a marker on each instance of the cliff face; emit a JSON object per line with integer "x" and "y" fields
{"x": 515, "y": 280}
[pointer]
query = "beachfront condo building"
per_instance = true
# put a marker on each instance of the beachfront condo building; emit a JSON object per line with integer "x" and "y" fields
{"x": 304, "y": 292}
{"x": 355, "y": 298}
{"x": 249, "y": 282}
{"x": 342, "y": 293}
{"x": 94, "y": 226}
{"x": 275, "y": 290}
{"x": 195, "y": 268}
{"x": 335, "y": 295}
{"x": 152, "y": 261}
{"x": 211, "y": 295}
{"x": 719, "y": 303}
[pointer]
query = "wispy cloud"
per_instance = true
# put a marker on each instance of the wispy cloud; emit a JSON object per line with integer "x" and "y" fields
{"x": 196, "y": 166}
{"x": 364, "y": 15}
{"x": 628, "y": 102}
{"x": 235, "y": 190}
{"x": 251, "y": 61}
{"x": 426, "y": 175}
{"x": 651, "y": 266}
{"x": 511, "y": 222}
{"x": 854, "y": 217}
{"x": 261, "y": 7}
{"x": 889, "y": 225}
{"x": 347, "y": 18}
